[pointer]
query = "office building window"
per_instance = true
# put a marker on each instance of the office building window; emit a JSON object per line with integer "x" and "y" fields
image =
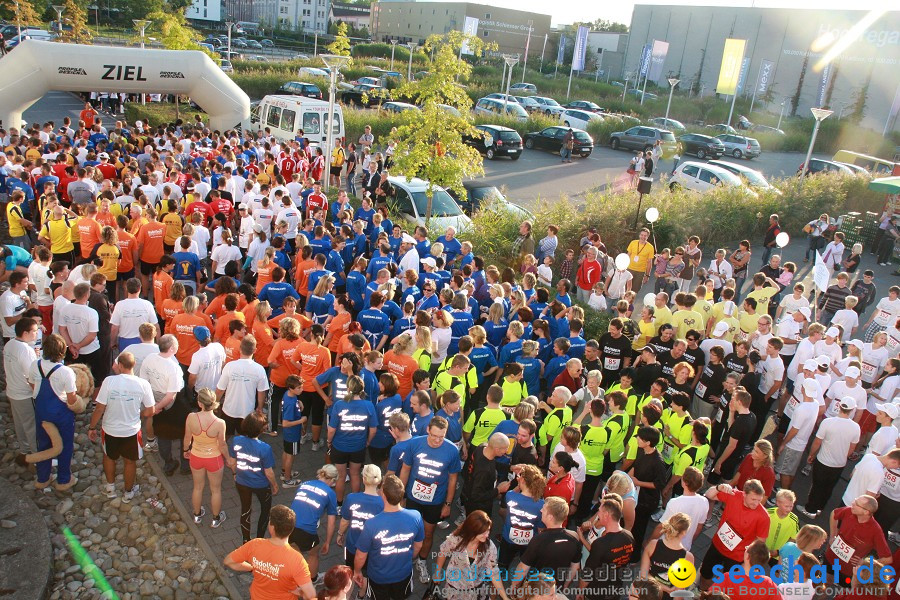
{"x": 487, "y": 15}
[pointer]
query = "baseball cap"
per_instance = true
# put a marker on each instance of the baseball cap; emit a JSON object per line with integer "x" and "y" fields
{"x": 257, "y": 228}
{"x": 810, "y": 364}
{"x": 857, "y": 343}
{"x": 848, "y": 403}
{"x": 823, "y": 361}
{"x": 889, "y": 408}
{"x": 851, "y": 372}
{"x": 811, "y": 387}
{"x": 428, "y": 260}
{"x": 720, "y": 329}
{"x": 103, "y": 155}
{"x": 804, "y": 310}
{"x": 408, "y": 239}
{"x": 242, "y": 206}
{"x": 832, "y": 332}
{"x": 649, "y": 349}
{"x": 201, "y": 333}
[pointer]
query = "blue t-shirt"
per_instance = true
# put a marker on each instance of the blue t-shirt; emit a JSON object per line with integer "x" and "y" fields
{"x": 370, "y": 385}
{"x": 482, "y": 359}
{"x": 313, "y": 499}
{"x": 496, "y": 332}
{"x": 462, "y": 321}
{"x": 375, "y": 325}
{"x": 275, "y": 293}
{"x": 290, "y": 412}
{"x": 531, "y": 374}
{"x": 313, "y": 279}
{"x": 398, "y": 452}
{"x": 385, "y": 409}
{"x": 556, "y": 366}
{"x": 403, "y": 325}
{"x": 428, "y": 302}
{"x": 19, "y": 257}
{"x": 319, "y": 307}
{"x": 186, "y": 266}
{"x": 356, "y": 289}
{"x": 419, "y": 425}
{"x": 392, "y": 310}
{"x": 509, "y": 353}
{"x": 523, "y": 518}
{"x": 576, "y": 349}
{"x": 335, "y": 264}
{"x": 430, "y": 470}
{"x": 351, "y": 421}
{"x": 510, "y": 429}
{"x": 336, "y": 381}
{"x": 789, "y": 553}
{"x": 454, "y": 425}
{"x": 389, "y": 539}
{"x": 452, "y": 248}
{"x": 320, "y": 246}
{"x": 253, "y": 458}
{"x": 358, "y": 508}
{"x": 376, "y": 264}
{"x": 365, "y": 215}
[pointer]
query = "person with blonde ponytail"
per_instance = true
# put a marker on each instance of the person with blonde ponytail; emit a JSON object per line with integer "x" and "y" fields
{"x": 204, "y": 446}
{"x": 264, "y": 269}
{"x": 351, "y": 426}
{"x": 357, "y": 509}
{"x": 661, "y": 553}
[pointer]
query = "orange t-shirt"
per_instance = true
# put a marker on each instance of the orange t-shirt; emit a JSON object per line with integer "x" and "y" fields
{"x": 403, "y": 366}
{"x": 336, "y": 329}
{"x": 106, "y": 219}
{"x": 304, "y": 321}
{"x": 170, "y": 308}
{"x": 283, "y": 353}
{"x": 89, "y": 230}
{"x": 346, "y": 345}
{"x": 87, "y": 115}
{"x": 127, "y": 243}
{"x": 137, "y": 225}
{"x": 277, "y": 570}
{"x": 162, "y": 288}
{"x": 264, "y": 274}
{"x": 232, "y": 349}
{"x": 182, "y": 327}
{"x": 151, "y": 237}
{"x": 302, "y": 270}
{"x": 315, "y": 360}
{"x": 223, "y": 323}
{"x": 216, "y": 308}
{"x": 264, "y": 342}
{"x": 249, "y": 311}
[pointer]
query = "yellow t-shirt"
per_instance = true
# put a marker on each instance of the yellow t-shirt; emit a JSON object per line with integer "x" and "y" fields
{"x": 661, "y": 316}
{"x": 749, "y": 322}
{"x": 76, "y": 235}
{"x": 110, "y": 256}
{"x": 13, "y": 216}
{"x": 174, "y": 226}
{"x": 645, "y": 332}
{"x": 733, "y": 326}
{"x": 59, "y": 232}
{"x": 704, "y": 308}
{"x": 641, "y": 254}
{"x": 762, "y": 297}
{"x": 685, "y": 320}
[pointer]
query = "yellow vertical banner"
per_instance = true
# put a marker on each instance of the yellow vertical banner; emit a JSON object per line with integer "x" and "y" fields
{"x": 730, "y": 73}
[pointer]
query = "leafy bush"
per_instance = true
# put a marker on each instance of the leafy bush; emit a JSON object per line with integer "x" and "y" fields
{"x": 596, "y": 322}
{"x": 159, "y": 112}
{"x": 401, "y": 53}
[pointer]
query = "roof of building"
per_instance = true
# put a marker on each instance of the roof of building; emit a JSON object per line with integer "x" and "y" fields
{"x": 339, "y": 9}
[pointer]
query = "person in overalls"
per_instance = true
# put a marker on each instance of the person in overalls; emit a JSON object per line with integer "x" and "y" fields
{"x": 54, "y": 385}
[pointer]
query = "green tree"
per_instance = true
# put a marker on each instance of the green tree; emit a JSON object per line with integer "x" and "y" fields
{"x": 430, "y": 144}
{"x": 21, "y": 12}
{"x": 75, "y": 27}
{"x": 341, "y": 44}
{"x": 169, "y": 25}
{"x": 607, "y": 26}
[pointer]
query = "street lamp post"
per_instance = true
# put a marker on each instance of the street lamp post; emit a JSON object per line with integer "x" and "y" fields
{"x": 820, "y": 114}
{"x": 510, "y": 61}
{"x": 229, "y": 24}
{"x": 393, "y": 47}
{"x": 781, "y": 114}
{"x": 142, "y": 25}
{"x": 59, "y": 11}
{"x": 412, "y": 48}
{"x": 625, "y": 89}
{"x": 334, "y": 63}
{"x": 18, "y": 21}
{"x": 672, "y": 83}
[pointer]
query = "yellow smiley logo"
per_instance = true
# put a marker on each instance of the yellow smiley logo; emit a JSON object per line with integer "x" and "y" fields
{"x": 682, "y": 573}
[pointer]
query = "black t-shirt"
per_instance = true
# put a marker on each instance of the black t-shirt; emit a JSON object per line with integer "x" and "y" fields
{"x": 554, "y": 549}
{"x": 523, "y": 456}
{"x": 695, "y": 357}
{"x": 735, "y": 364}
{"x": 668, "y": 362}
{"x": 613, "y": 352}
{"x": 610, "y": 554}
{"x": 650, "y": 468}
{"x": 662, "y": 348}
{"x": 742, "y": 430}
{"x": 645, "y": 375}
{"x": 676, "y": 390}
{"x": 711, "y": 381}
{"x": 592, "y": 365}
{"x": 479, "y": 477}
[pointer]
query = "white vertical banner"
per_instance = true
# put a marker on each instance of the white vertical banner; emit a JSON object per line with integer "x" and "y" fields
{"x": 766, "y": 72}
{"x": 580, "y": 49}
{"x": 470, "y": 27}
{"x": 823, "y": 85}
{"x": 658, "y": 53}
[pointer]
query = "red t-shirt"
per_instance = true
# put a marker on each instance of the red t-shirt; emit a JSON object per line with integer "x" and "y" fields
{"x": 855, "y": 539}
{"x": 277, "y": 570}
{"x": 316, "y": 202}
{"x": 742, "y": 587}
{"x": 222, "y": 206}
{"x": 739, "y": 526}
{"x": 198, "y": 206}
{"x": 108, "y": 170}
{"x": 765, "y": 475}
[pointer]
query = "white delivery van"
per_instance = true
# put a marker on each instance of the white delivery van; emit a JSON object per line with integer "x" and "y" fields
{"x": 285, "y": 115}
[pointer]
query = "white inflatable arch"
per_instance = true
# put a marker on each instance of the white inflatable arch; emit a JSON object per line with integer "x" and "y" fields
{"x": 34, "y": 68}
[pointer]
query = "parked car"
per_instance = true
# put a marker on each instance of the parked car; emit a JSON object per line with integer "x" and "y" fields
{"x": 399, "y": 107}
{"x": 638, "y": 93}
{"x": 702, "y": 177}
{"x": 225, "y": 65}
{"x": 409, "y": 200}
{"x": 528, "y": 103}
{"x": 302, "y": 57}
{"x": 549, "y": 106}
{"x": 374, "y": 95}
{"x": 30, "y": 34}
{"x": 239, "y": 43}
{"x": 301, "y": 88}
{"x": 492, "y": 106}
{"x": 584, "y": 105}
{"x": 644, "y": 138}
{"x": 701, "y": 146}
{"x": 618, "y": 84}
{"x": 752, "y": 177}
{"x": 523, "y": 88}
{"x": 626, "y": 119}
{"x": 254, "y": 44}
{"x": 258, "y": 58}
{"x": 207, "y": 47}
{"x": 496, "y": 140}
{"x": 766, "y": 129}
{"x": 818, "y": 165}
{"x": 419, "y": 75}
{"x": 670, "y": 124}
{"x": 857, "y": 170}
{"x": 578, "y": 118}
{"x": 502, "y": 97}
{"x": 364, "y": 81}
{"x": 551, "y": 138}
{"x": 739, "y": 146}
{"x": 267, "y": 43}
{"x": 480, "y": 197}
{"x": 313, "y": 72}
{"x": 450, "y": 109}
{"x": 722, "y": 128}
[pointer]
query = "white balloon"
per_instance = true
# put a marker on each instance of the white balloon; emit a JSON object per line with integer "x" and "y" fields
{"x": 622, "y": 261}
{"x": 782, "y": 239}
{"x": 652, "y": 214}
{"x": 650, "y": 299}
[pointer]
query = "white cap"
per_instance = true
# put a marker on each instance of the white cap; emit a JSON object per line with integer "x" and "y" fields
{"x": 823, "y": 361}
{"x": 257, "y": 228}
{"x": 811, "y": 387}
{"x": 889, "y": 408}
{"x": 832, "y": 332}
{"x": 848, "y": 403}
{"x": 242, "y": 206}
{"x": 857, "y": 343}
{"x": 728, "y": 307}
{"x": 810, "y": 364}
{"x": 851, "y": 372}
{"x": 720, "y": 329}
{"x": 139, "y": 124}
{"x": 804, "y": 310}
{"x": 103, "y": 155}
{"x": 429, "y": 260}
{"x": 408, "y": 239}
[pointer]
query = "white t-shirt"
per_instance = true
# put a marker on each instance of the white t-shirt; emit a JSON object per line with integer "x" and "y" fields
{"x": 240, "y": 380}
{"x": 803, "y": 420}
{"x": 124, "y": 396}
{"x": 223, "y": 255}
{"x": 130, "y": 313}
{"x": 832, "y": 351}
{"x": 545, "y": 274}
{"x": 79, "y": 321}
{"x": 291, "y": 216}
{"x": 696, "y": 507}
{"x": 201, "y": 236}
{"x": 59, "y": 303}
{"x": 848, "y": 319}
{"x": 773, "y": 370}
{"x": 62, "y": 381}
{"x": 792, "y": 305}
{"x": 579, "y": 473}
{"x": 867, "y": 477}
{"x": 839, "y": 389}
{"x": 597, "y": 301}
{"x": 140, "y": 352}
{"x": 17, "y": 360}
{"x": 884, "y": 440}
{"x": 788, "y": 328}
{"x": 206, "y": 364}
{"x": 707, "y": 344}
{"x": 617, "y": 283}
{"x": 805, "y": 350}
{"x": 11, "y": 305}
{"x": 837, "y": 434}
{"x": 760, "y": 342}
{"x": 886, "y": 311}
{"x": 38, "y": 275}
{"x": 164, "y": 374}
{"x": 873, "y": 361}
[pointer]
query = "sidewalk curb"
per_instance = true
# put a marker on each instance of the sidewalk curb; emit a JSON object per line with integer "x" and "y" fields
{"x": 214, "y": 560}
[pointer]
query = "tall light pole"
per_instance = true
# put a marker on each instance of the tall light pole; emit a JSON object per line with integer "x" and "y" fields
{"x": 393, "y": 47}
{"x": 672, "y": 83}
{"x": 820, "y": 114}
{"x": 510, "y": 61}
{"x": 18, "y": 21}
{"x": 334, "y": 63}
{"x": 527, "y": 43}
{"x": 625, "y": 89}
{"x": 781, "y": 114}
{"x": 412, "y": 48}
{"x": 142, "y": 25}
{"x": 59, "y": 11}
{"x": 230, "y": 25}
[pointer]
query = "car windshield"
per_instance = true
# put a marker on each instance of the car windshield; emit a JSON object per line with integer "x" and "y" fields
{"x": 755, "y": 179}
{"x": 510, "y": 136}
{"x": 516, "y": 110}
{"x": 442, "y": 205}
{"x": 484, "y": 195}
{"x": 550, "y": 102}
{"x": 728, "y": 177}
{"x": 582, "y": 136}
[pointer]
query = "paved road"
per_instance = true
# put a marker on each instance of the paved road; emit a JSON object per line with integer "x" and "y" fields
{"x": 55, "y": 106}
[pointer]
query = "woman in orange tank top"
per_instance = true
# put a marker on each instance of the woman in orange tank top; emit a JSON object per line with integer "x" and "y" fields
{"x": 264, "y": 269}
{"x": 337, "y": 327}
{"x": 205, "y": 447}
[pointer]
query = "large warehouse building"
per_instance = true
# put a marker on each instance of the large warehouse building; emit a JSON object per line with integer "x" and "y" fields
{"x": 783, "y": 47}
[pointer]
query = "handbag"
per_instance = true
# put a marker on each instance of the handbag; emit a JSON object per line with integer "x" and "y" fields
{"x": 433, "y": 592}
{"x": 807, "y": 228}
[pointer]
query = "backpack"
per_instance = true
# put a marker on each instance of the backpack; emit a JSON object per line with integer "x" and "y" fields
{"x": 338, "y": 160}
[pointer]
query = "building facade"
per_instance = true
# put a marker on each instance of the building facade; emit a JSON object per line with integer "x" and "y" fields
{"x": 411, "y": 21}
{"x": 297, "y": 15}
{"x": 205, "y": 10}
{"x": 781, "y": 57}
{"x": 357, "y": 15}
{"x": 608, "y": 52}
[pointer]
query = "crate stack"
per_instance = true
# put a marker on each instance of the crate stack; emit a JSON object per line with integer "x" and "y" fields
{"x": 853, "y": 226}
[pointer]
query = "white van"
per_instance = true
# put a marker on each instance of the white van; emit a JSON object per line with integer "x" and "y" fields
{"x": 285, "y": 115}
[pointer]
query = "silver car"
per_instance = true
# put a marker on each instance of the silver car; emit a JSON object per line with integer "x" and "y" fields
{"x": 740, "y": 146}
{"x": 644, "y": 138}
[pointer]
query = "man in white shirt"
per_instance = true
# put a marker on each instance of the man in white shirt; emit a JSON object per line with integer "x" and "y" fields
{"x": 290, "y": 215}
{"x": 240, "y": 382}
{"x": 772, "y": 376}
{"x": 166, "y": 380}
{"x": 14, "y": 302}
{"x": 18, "y": 356}
{"x": 129, "y": 314}
{"x": 790, "y": 330}
{"x": 79, "y": 326}
{"x": 717, "y": 339}
{"x": 887, "y": 437}
{"x": 803, "y": 421}
{"x": 806, "y": 349}
{"x": 66, "y": 295}
{"x": 410, "y": 256}
{"x": 148, "y": 333}
{"x": 848, "y": 387}
{"x": 868, "y": 475}
{"x": 694, "y": 505}
{"x": 206, "y": 363}
{"x": 121, "y": 402}
{"x": 835, "y": 441}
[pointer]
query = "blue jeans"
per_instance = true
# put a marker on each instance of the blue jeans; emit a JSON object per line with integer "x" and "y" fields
{"x": 738, "y": 284}
{"x": 351, "y": 184}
